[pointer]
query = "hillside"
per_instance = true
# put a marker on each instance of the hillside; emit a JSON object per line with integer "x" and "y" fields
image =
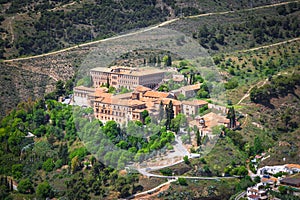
{"x": 34, "y": 27}
{"x": 243, "y": 29}
{"x": 62, "y": 65}
{"x": 33, "y": 78}
{"x": 256, "y": 51}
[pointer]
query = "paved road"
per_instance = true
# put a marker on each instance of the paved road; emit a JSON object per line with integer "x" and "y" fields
{"x": 240, "y": 195}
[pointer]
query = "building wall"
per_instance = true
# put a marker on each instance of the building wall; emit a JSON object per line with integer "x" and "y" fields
{"x": 119, "y": 113}
{"x": 80, "y": 97}
{"x": 106, "y": 112}
{"x": 126, "y": 80}
{"x": 190, "y": 109}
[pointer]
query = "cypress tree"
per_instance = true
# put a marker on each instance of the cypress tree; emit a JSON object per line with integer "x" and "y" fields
{"x": 161, "y": 111}
{"x": 198, "y": 138}
{"x": 169, "y": 114}
{"x": 167, "y": 117}
{"x": 169, "y": 61}
{"x": 171, "y": 110}
{"x": 231, "y": 117}
{"x": 158, "y": 61}
{"x": 107, "y": 82}
{"x": 11, "y": 185}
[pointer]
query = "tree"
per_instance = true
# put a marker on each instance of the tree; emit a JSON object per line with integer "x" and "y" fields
{"x": 231, "y": 117}
{"x": 167, "y": 60}
{"x": 111, "y": 89}
{"x": 282, "y": 189}
{"x": 186, "y": 160}
{"x": 181, "y": 97}
{"x": 63, "y": 153}
{"x": 212, "y": 44}
{"x": 48, "y": 165}
{"x": 203, "y": 31}
{"x": 60, "y": 88}
{"x": 182, "y": 181}
{"x": 220, "y": 38}
{"x": 163, "y": 88}
{"x": 204, "y": 91}
{"x": 25, "y": 186}
{"x": 144, "y": 114}
{"x": 39, "y": 117}
{"x": 74, "y": 164}
{"x": 169, "y": 114}
{"x": 125, "y": 191}
{"x": 4, "y": 192}
{"x": 198, "y": 137}
{"x": 257, "y": 179}
{"x": 161, "y": 111}
{"x": 179, "y": 121}
{"x": 192, "y": 77}
{"x": 258, "y": 148}
{"x": 17, "y": 170}
{"x": 148, "y": 120}
{"x": 107, "y": 82}
{"x": 44, "y": 190}
{"x": 166, "y": 171}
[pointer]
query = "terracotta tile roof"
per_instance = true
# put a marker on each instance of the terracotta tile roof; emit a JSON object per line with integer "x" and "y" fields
{"x": 103, "y": 97}
{"x": 293, "y": 166}
{"x": 99, "y": 92}
{"x": 213, "y": 119}
{"x": 149, "y": 104}
{"x": 155, "y": 94}
{"x": 166, "y": 101}
{"x": 271, "y": 179}
{"x": 141, "y": 88}
{"x": 195, "y": 102}
{"x": 136, "y": 102}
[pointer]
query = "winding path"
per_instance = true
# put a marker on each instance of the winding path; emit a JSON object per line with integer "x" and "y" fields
{"x": 155, "y": 27}
{"x": 239, "y": 196}
{"x": 270, "y": 45}
{"x": 248, "y": 92}
{"x": 180, "y": 149}
{"x": 151, "y": 190}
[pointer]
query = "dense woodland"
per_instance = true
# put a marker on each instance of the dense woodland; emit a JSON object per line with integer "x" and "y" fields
{"x": 33, "y": 161}
{"x": 285, "y": 24}
{"x": 53, "y": 25}
{"x": 244, "y": 29}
